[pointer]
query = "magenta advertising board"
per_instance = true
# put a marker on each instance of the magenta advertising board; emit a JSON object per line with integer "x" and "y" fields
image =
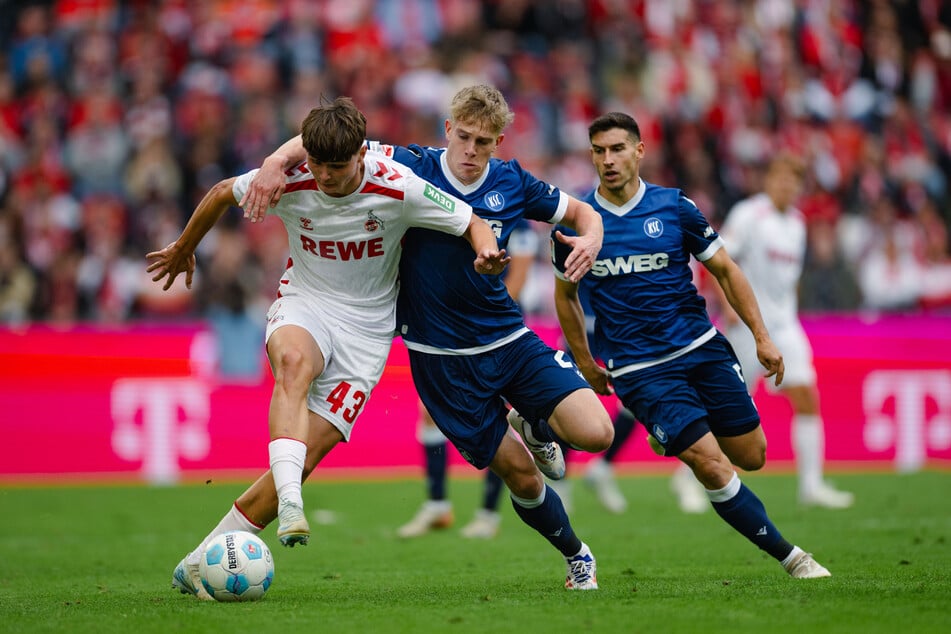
{"x": 146, "y": 403}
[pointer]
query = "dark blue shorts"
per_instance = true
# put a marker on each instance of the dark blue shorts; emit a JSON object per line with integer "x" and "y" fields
{"x": 678, "y": 401}
{"x": 466, "y": 395}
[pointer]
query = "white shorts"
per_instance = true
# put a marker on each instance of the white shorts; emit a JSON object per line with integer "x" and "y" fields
{"x": 793, "y": 345}
{"x": 353, "y": 359}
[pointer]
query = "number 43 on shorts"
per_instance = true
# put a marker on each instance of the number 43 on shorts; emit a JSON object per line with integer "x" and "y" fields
{"x": 352, "y": 403}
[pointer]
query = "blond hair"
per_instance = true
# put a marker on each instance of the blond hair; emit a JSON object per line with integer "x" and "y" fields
{"x": 483, "y": 105}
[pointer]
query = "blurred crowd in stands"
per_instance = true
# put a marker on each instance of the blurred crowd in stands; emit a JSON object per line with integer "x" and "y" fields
{"x": 116, "y": 117}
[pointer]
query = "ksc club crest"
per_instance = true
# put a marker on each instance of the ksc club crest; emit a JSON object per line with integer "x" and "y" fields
{"x": 653, "y": 227}
{"x": 494, "y": 200}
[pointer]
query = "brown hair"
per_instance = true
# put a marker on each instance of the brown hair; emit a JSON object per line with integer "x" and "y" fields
{"x": 333, "y": 132}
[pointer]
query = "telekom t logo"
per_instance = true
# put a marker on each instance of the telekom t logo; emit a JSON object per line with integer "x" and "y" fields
{"x": 159, "y": 420}
{"x": 909, "y": 410}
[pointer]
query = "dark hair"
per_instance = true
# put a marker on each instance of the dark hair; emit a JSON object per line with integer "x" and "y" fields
{"x": 615, "y": 120}
{"x": 333, "y": 132}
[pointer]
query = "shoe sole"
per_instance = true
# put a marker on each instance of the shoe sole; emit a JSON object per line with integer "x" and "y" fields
{"x": 292, "y": 539}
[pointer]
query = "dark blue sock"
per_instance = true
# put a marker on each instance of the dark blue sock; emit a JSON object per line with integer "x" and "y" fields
{"x": 550, "y": 519}
{"x": 492, "y": 491}
{"x": 623, "y": 426}
{"x": 436, "y": 460}
{"x": 542, "y": 431}
{"x": 745, "y": 513}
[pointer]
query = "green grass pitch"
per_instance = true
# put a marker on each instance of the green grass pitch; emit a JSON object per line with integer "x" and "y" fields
{"x": 99, "y": 559}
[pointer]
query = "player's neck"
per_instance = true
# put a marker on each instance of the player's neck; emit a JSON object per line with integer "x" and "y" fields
{"x": 620, "y": 197}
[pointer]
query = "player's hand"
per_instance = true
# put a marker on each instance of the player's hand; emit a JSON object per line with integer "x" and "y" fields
{"x": 171, "y": 261}
{"x": 598, "y": 378}
{"x": 584, "y": 250}
{"x": 491, "y": 262}
{"x": 265, "y": 190}
{"x": 771, "y": 359}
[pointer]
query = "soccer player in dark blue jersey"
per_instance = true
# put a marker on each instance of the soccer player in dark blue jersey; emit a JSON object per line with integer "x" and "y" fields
{"x": 469, "y": 348}
{"x": 436, "y": 510}
{"x": 662, "y": 355}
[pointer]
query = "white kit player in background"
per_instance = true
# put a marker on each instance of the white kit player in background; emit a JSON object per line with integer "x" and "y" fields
{"x": 766, "y": 235}
{"x": 329, "y": 333}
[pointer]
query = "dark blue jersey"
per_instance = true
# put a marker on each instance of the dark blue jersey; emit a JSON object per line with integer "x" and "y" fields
{"x": 444, "y": 305}
{"x": 641, "y": 289}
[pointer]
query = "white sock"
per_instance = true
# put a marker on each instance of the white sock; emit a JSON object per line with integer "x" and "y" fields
{"x": 809, "y": 446}
{"x": 530, "y": 504}
{"x": 287, "y": 466}
{"x": 796, "y": 551}
{"x": 726, "y": 493}
{"x": 234, "y": 520}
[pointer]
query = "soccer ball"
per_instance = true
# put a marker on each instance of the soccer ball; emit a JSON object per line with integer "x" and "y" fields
{"x": 236, "y": 566}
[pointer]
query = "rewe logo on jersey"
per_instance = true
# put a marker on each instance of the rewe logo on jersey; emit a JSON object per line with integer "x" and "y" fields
{"x": 637, "y": 263}
{"x": 440, "y": 198}
{"x": 338, "y": 250}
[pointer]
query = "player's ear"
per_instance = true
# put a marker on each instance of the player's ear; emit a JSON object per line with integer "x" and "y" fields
{"x": 499, "y": 139}
{"x": 448, "y": 126}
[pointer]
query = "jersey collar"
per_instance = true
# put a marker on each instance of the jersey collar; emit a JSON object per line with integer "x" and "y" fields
{"x": 626, "y": 207}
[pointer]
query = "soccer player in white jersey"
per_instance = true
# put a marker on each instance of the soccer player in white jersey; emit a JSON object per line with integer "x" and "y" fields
{"x": 766, "y": 235}
{"x": 328, "y": 335}
{"x": 470, "y": 351}
{"x": 662, "y": 355}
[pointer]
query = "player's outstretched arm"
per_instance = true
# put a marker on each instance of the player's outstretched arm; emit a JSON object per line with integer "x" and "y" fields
{"x": 585, "y": 247}
{"x": 489, "y": 260}
{"x": 739, "y": 294}
{"x": 571, "y": 318}
{"x": 267, "y": 186}
{"x": 179, "y": 256}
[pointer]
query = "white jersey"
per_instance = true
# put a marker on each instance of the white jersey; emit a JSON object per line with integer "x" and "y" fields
{"x": 769, "y": 245}
{"x": 346, "y": 250}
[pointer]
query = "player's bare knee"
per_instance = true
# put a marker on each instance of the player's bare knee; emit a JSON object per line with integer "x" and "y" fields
{"x": 527, "y": 486}
{"x": 603, "y": 437}
{"x": 292, "y": 369}
{"x": 753, "y": 463}
{"x": 593, "y": 434}
{"x": 713, "y": 471}
{"x": 752, "y": 459}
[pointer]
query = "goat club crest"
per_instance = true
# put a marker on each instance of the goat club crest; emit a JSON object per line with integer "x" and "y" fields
{"x": 373, "y": 222}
